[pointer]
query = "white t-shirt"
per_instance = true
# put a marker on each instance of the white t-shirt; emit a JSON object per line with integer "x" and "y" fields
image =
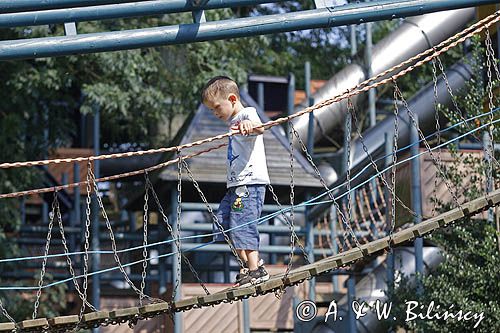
{"x": 246, "y": 156}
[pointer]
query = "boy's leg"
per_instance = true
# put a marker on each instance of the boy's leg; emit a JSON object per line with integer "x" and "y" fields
{"x": 243, "y": 256}
{"x": 253, "y": 259}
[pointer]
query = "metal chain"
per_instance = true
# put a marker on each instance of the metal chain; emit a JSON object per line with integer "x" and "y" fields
{"x": 87, "y": 238}
{"x": 145, "y": 240}
{"x": 323, "y": 182}
{"x": 171, "y": 231}
{"x": 374, "y": 165}
{"x": 279, "y": 293}
{"x": 438, "y": 133}
{"x": 6, "y": 314}
{"x": 215, "y": 219}
{"x": 489, "y": 48}
{"x": 285, "y": 217}
{"x": 46, "y": 253}
{"x": 177, "y": 235}
{"x": 348, "y": 120}
{"x": 422, "y": 137}
{"x": 392, "y": 189}
{"x": 83, "y": 296}
{"x": 292, "y": 207}
{"x": 490, "y": 61}
{"x": 113, "y": 242}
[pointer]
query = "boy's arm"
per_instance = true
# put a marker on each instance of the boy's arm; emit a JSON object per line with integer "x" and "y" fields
{"x": 248, "y": 127}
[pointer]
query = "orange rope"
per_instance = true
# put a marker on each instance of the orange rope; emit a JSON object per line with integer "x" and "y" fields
{"x": 104, "y": 179}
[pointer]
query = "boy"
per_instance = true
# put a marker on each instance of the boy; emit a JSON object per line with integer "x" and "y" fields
{"x": 247, "y": 175}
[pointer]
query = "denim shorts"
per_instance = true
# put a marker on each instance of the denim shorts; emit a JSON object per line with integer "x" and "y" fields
{"x": 236, "y": 210}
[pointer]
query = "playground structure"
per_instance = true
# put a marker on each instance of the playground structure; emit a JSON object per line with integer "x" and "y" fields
{"x": 356, "y": 162}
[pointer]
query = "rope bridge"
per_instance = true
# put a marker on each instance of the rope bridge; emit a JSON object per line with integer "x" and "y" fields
{"x": 275, "y": 283}
{"x": 354, "y": 250}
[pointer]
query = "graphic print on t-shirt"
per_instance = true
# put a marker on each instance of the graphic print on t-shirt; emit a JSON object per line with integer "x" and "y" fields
{"x": 230, "y": 155}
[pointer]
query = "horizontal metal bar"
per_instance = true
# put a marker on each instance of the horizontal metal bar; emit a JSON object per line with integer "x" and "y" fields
{"x": 263, "y": 249}
{"x": 114, "y": 11}
{"x": 270, "y": 229}
{"x": 243, "y": 27}
{"x": 275, "y": 229}
{"x": 12, "y": 6}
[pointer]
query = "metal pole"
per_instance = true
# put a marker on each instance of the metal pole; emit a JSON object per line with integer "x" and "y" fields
{"x": 226, "y": 259}
{"x": 354, "y": 43}
{"x": 390, "y": 256}
{"x": 291, "y": 98}
{"x": 368, "y": 63}
{"x": 310, "y": 249}
{"x": 416, "y": 196}
{"x": 45, "y": 206}
{"x": 351, "y": 294}
{"x": 176, "y": 261}
{"x": 231, "y": 28}
{"x": 309, "y": 101}
{"x": 272, "y": 257}
{"x": 498, "y": 39}
{"x": 96, "y": 258}
{"x": 88, "y": 10}
{"x": 246, "y": 316}
{"x": 260, "y": 95}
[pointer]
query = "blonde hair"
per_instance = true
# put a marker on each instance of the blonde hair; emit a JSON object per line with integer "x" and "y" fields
{"x": 219, "y": 86}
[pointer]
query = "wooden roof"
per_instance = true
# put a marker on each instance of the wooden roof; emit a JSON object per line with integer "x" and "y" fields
{"x": 211, "y": 167}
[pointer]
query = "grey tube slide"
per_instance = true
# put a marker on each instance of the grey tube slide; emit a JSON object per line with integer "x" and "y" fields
{"x": 415, "y": 35}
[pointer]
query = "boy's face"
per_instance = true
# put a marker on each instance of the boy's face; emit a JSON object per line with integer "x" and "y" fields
{"x": 222, "y": 108}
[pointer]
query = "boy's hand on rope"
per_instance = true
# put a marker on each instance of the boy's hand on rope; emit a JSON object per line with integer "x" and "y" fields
{"x": 246, "y": 127}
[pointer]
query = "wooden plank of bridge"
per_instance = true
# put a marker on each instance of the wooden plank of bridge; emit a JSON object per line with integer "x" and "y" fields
{"x": 427, "y": 227}
{"x": 296, "y": 276}
{"x": 63, "y": 322}
{"x": 186, "y": 304}
{"x": 402, "y": 236}
{"x": 351, "y": 256}
{"x": 273, "y": 283}
{"x": 95, "y": 318}
{"x": 242, "y": 291}
{"x": 34, "y": 324}
{"x": 7, "y": 327}
{"x": 124, "y": 315}
{"x": 215, "y": 298}
{"x": 154, "y": 309}
{"x": 378, "y": 245}
{"x": 494, "y": 197}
